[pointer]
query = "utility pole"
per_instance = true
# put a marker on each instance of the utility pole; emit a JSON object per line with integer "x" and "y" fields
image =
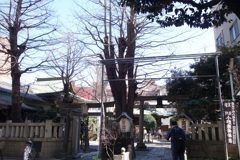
{"x": 221, "y": 107}
{"x": 102, "y": 118}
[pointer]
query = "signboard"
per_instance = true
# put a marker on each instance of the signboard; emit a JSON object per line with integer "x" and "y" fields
{"x": 125, "y": 125}
{"x": 230, "y": 121}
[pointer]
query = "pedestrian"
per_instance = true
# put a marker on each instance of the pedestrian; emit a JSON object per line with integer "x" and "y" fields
{"x": 177, "y": 137}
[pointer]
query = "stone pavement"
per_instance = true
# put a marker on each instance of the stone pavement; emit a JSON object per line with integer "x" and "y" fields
{"x": 157, "y": 150}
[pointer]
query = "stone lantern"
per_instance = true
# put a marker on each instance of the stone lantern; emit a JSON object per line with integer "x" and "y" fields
{"x": 184, "y": 122}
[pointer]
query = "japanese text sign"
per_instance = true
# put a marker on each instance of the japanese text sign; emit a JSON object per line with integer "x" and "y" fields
{"x": 230, "y": 121}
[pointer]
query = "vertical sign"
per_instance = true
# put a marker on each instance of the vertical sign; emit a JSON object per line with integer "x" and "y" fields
{"x": 230, "y": 121}
{"x": 125, "y": 125}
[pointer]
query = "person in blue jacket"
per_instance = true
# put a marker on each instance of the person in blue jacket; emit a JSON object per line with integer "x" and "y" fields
{"x": 177, "y": 137}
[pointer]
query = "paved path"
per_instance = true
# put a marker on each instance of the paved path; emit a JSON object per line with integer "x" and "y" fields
{"x": 156, "y": 151}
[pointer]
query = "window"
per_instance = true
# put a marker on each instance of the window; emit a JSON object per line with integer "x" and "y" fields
{"x": 219, "y": 41}
{"x": 234, "y": 30}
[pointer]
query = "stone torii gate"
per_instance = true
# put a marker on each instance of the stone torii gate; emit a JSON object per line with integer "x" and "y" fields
{"x": 141, "y": 145}
{"x": 172, "y": 57}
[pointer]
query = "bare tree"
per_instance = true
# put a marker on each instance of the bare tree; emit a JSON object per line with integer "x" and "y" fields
{"x": 26, "y": 26}
{"x": 117, "y": 33}
{"x": 68, "y": 62}
{"x": 93, "y": 79}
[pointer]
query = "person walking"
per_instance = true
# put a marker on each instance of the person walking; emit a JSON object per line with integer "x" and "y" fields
{"x": 177, "y": 137}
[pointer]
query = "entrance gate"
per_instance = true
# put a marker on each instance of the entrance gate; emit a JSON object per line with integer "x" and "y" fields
{"x": 165, "y": 62}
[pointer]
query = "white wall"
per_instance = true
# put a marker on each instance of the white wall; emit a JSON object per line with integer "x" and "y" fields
{"x": 224, "y": 29}
{"x": 3, "y": 65}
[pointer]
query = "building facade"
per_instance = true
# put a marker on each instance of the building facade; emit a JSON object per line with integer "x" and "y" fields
{"x": 4, "y": 61}
{"x": 228, "y": 33}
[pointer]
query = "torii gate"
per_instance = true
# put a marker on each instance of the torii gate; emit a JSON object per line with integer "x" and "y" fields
{"x": 164, "y": 58}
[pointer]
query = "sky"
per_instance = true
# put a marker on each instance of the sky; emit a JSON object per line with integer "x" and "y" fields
{"x": 204, "y": 43}
{"x": 200, "y": 44}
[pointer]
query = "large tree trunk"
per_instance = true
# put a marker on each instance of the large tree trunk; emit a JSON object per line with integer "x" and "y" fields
{"x": 131, "y": 53}
{"x": 121, "y": 75}
{"x": 15, "y": 53}
{"x": 16, "y": 99}
{"x": 123, "y": 90}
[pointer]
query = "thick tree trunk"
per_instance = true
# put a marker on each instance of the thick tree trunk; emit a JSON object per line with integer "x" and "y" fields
{"x": 15, "y": 53}
{"x": 16, "y": 99}
{"x": 123, "y": 90}
{"x": 131, "y": 53}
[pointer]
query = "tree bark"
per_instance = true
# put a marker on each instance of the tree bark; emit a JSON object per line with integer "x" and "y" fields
{"x": 16, "y": 99}
{"x": 15, "y": 53}
{"x": 123, "y": 90}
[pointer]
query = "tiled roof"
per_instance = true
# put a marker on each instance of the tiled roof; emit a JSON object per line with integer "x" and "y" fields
{"x": 84, "y": 92}
{"x": 5, "y": 101}
{"x": 7, "y": 87}
{"x": 52, "y": 85}
{"x": 47, "y": 85}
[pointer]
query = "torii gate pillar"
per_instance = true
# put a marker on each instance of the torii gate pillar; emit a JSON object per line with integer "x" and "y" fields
{"x": 140, "y": 144}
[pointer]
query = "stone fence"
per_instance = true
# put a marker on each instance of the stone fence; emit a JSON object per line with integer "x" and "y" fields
{"x": 32, "y": 130}
{"x": 207, "y": 141}
{"x": 48, "y": 138}
{"x": 208, "y": 132}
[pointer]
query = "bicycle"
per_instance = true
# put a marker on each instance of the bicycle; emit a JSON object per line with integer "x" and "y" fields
{"x": 29, "y": 151}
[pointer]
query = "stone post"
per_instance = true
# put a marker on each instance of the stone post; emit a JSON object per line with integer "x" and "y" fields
{"x": 26, "y": 129}
{"x": 48, "y": 129}
{"x": 8, "y": 129}
{"x": 140, "y": 144}
{"x": 130, "y": 152}
{"x": 75, "y": 135}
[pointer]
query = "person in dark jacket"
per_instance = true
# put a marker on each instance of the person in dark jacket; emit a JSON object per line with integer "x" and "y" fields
{"x": 177, "y": 137}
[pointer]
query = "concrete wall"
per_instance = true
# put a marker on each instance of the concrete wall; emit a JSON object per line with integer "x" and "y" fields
{"x": 4, "y": 67}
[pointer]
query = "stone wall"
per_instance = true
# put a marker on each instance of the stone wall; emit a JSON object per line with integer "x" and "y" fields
{"x": 47, "y": 138}
{"x": 45, "y": 147}
{"x": 205, "y": 149}
{"x": 206, "y": 141}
